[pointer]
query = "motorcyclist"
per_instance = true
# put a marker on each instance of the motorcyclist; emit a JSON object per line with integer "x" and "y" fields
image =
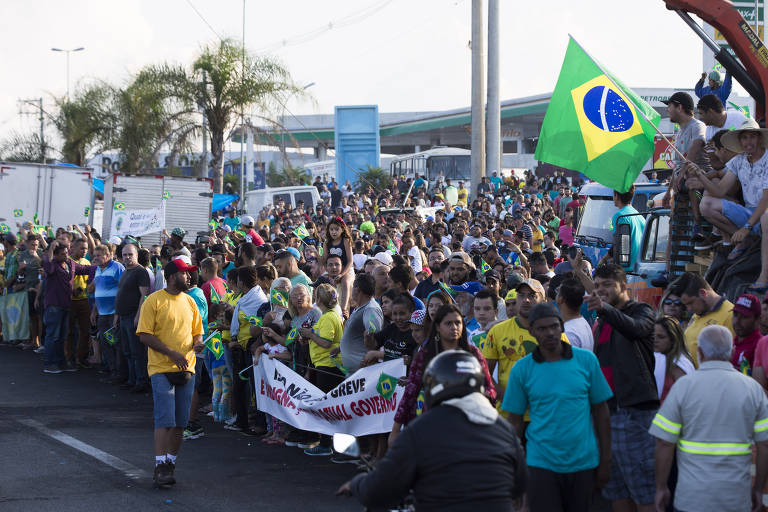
{"x": 459, "y": 455}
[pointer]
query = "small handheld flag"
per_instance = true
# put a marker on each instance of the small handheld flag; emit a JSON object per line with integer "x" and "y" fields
{"x": 320, "y": 251}
{"x": 278, "y": 297}
{"x": 120, "y": 206}
{"x": 420, "y": 403}
{"x": 301, "y": 232}
{"x": 386, "y": 386}
{"x": 212, "y": 326}
{"x": 166, "y": 194}
{"x": 293, "y": 335}
{"x": 110, "y": 336}
{"x": 484, "y": 267}
{"x": 213, "y": 343}
{"x": 391, "y": 247}
{"x": 338, "y": 365}
{"x": 5, "y": 228}
{"x": 447, "y": 289}
{"x": 86, "y": 211}
{"x": 372, "y": 323}
{"x": 18, "y": 213}
{"x": 215, "y": 297}
{"x": 255, "y": 321}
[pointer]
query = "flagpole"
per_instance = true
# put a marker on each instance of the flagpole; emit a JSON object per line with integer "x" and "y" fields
{"x": 637, "y": 108}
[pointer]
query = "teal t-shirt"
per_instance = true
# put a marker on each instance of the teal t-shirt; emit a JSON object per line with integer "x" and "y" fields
{"x": 232, "y": 222}
{"x": 637, "y": 226}
{"x": 559, "y": 396}
{"x": 496, "y": 181}
{"x": 202, "y": 306}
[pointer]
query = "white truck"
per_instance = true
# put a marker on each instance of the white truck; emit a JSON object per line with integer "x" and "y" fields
{"x": 59, "y": 195}
{"x": 187, "y": 202}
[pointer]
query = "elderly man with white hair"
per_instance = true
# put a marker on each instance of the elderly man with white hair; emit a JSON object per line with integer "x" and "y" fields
{"x": 713, "y": 415}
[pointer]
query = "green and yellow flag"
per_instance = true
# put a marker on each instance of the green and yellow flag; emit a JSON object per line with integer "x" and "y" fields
{"x": 293, "y": 335}
{"x": 386, "y": 386}
{"x": 255, "y": 321}
{"x": 110, "y": 336}
{"x": 301, "y": 232}
{"x": 595, "y": 124}
{"x": 215, "y": 297}
{"x": 391, "y": 247}
{"x": 213, "y": 343}
{"x": 5, "y": 228}
{"x": 278, "y": 297}
{"x": 484, "y": 267}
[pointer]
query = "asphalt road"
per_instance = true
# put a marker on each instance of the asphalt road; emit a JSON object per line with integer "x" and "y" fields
{"x": 70, "y": 442}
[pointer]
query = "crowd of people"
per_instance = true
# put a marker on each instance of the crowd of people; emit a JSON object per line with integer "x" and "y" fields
{"x": 576, "y": 365}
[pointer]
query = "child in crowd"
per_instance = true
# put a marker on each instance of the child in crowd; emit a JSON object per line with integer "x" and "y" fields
{"x": 485, "y": 308}
{"x": 273, "y": 335}
{"x": 395, "y": 340}
{"x": 386, "y": 304}
{"x": 221, "y": 375}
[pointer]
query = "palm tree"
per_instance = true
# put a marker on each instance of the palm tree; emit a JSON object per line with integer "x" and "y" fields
{"x": 235, "y": 81}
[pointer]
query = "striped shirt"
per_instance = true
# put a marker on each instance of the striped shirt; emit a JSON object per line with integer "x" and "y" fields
{"x": 106, "y": 281}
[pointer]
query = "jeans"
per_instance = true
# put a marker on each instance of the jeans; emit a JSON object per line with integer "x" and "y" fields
{"x": 76, "y": 347}
{"x": 56, "y": 320}
{"x": 112, "y": 354}
{"x": 135, "y": 352}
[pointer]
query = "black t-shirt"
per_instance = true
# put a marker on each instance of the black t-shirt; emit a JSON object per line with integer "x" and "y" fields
{"x": 394, "y": 342}
{"x": 335, "y": 198}
{"x": 424, "y": 288}
{"x": 128, "y": 294}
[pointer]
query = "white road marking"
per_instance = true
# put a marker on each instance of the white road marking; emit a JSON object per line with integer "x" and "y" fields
{"x": 126, "y": 468}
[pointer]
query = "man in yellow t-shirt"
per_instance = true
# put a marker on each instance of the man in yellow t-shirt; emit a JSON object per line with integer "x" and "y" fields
{"x": 171, "y": 327}
{"x": 708, "y": 308}
{"x": 509, "y": 341}
{"x": 76, "y": 351}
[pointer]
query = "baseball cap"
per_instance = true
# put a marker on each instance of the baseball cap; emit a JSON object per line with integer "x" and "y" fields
{"x": 114, "y": 239}
{"x": 714, "y": 75}
{"x": 179, "y": 232}
{"x": 470, "y": 287}
{"x": 543, "y": 310}
{"x": 462, "y": 257}
{"x": 681, "y": 98}
{"x": 514, "y": 279}
{"x": 417, "y": 317}
{"x": 511, "y": 295}
{"x": 493, "y": 274}
{"x": 10, "y": 238}
{"x": 533, "y": 284}
{"x": 747, "y": 304}
{"x": 384, "y": 257}
{"x": 293, "y": 252}
{"x": 246, "y": 220}
{"x": 508, "y": 232}
{"x": 177, "y": 265}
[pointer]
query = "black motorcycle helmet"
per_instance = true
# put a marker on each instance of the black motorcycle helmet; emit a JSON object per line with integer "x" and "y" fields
{"x": 452, "y": 374}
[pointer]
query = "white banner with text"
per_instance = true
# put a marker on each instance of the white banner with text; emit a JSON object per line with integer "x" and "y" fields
{"x": 364, "y": 403}
{"x": 137, "y": 222}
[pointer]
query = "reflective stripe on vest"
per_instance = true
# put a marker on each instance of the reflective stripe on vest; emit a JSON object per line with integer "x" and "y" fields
{"x": 715, "y": 448}
{"x": 762, "y": 425}
{"x": 664, "y": 424}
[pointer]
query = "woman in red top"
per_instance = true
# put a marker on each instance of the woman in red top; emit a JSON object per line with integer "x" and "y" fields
{"x": 449, "y": 332}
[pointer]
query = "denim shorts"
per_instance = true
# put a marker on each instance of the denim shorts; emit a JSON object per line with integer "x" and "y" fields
{"x": 172, "y": 403}
{"x": 738, "y": 214}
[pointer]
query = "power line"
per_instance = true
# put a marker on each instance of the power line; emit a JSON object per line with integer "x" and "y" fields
{"x": 203, "y": 18}
{"x": 344, "y": 21}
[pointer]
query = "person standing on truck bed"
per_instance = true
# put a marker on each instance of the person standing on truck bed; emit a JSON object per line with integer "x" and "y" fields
{"x": 740, "y": 224}
{"x": 636, "y": 222}
{"x": 718, "y": 87}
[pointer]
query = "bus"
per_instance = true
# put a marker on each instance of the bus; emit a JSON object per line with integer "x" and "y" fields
{"x": 452, "y": 163}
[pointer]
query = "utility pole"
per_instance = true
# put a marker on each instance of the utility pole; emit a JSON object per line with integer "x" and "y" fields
{"x": 493, "y": 122}
{"x": 68, "y": 52}
{"x": 242, "y": 130}
{"x": 478, "y": 93}
{"x": 204, "y": 156}
{"x": 38, "y": 104}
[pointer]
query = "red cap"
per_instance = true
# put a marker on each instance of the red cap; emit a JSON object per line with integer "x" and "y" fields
{"x": 747, "y": 304}
{"x": 177, "y": 265}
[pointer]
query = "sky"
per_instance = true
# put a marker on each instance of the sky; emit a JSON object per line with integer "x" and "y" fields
{"x": 403, "y": 55}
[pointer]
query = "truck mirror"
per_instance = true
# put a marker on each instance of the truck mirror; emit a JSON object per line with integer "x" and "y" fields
{"x": 622, "y": 244}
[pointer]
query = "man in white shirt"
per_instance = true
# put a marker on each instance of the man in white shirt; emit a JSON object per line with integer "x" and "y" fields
{"x": 716, "y": 117}
{"x": 570, "y": 296}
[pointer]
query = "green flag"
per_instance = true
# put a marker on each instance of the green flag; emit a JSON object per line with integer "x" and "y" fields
{"x": 5, "y": 228}
{"x": 595, "y": 124}
{"x": 18, "y": 213}
{"x": 386, "y": 386}
{"x": 255, "y": 320}
{"x": 372, "y": 323}
{"x": 391, "y": 247}
{"x": 215, "y": 297}
{"x": 301, "y": 232}
{"x": 293, "y": 335}
{"x": 119, "y": 206}
{"x": 213, "y": 343}
{"x": 278, "y": 297}
{"x": 484, "y": 267}
{"x": 110, "y": 336}
{"x": 447, "y": 289}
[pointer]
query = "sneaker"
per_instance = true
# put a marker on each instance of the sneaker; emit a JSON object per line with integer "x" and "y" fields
{"x": 171, "y": 470}
{"x": 39, "y": 350}
{"x": 232, "y": 420}
{"x": 340, "y": 458}
{"x": 293, "y": 438}
{"x": 53, "y": 368}
{"x": 308, "y": 444}
{"x": 234, "y": 427}
{"x": 193, "y": 431}
{"x": 69, "y": 367}
{"x": 319, "y": 451}
{"x": 163, "y": 475}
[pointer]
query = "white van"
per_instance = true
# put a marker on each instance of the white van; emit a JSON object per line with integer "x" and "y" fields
{"x": 255, "y": 200}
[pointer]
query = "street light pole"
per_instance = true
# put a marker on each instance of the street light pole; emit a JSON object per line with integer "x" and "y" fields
{"x": 68, "y": 52}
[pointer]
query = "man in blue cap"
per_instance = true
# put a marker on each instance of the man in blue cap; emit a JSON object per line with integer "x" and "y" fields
{"x": 287, "y": 264}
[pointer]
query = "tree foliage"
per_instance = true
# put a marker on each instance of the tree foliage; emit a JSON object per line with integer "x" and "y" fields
{"x": 374, "y": 177}
{"x": 288, "y": 176}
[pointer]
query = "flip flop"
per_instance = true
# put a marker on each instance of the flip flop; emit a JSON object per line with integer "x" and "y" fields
{"x": 736, "y": 253}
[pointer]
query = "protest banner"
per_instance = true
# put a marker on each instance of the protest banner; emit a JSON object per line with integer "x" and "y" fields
{"x": 357, "y": 406}
{"x": 138, "y": 222}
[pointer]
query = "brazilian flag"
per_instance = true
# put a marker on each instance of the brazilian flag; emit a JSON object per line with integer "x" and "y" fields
{"x": 596, "y": 125}
{"x": 484, "y": 267}
{"x": 213, "y": 343}
{"x": 386, "y": 385}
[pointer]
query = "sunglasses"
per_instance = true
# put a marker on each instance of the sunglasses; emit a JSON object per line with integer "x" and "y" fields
{"x": 672, "y": 302}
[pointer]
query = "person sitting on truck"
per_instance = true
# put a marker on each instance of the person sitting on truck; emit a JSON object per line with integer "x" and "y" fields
{"x": 735, "y": 221}
{"x": 718, "y": 87}
{"x": 627, "y": 214}
{"x": 716, "y": 117}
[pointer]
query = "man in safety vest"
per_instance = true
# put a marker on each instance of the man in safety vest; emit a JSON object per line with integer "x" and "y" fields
{"x": 713, "y": 415}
